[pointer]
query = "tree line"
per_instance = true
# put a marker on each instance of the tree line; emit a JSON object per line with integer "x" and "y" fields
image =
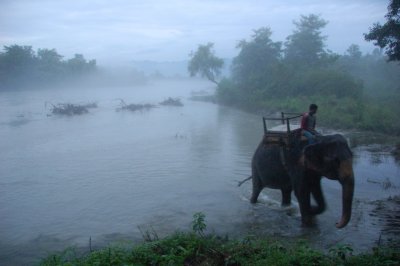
{"x": 21, "y": 65}
{"x": 353, "y": 90}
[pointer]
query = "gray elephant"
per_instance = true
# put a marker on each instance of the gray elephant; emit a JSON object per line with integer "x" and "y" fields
{"x": 300, "y": 168}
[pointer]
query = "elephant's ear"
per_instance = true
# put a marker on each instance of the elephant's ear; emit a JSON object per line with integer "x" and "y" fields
{"x": 327, "y": 152}
{"x": 313, "y": 154}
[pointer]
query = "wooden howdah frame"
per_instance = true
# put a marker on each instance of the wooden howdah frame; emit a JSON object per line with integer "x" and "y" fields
{"x": 281, "y": 137}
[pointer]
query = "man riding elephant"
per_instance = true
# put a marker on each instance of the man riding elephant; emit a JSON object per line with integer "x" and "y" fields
{"x": 308, "y": 123}
{"x": 298, "y": 166}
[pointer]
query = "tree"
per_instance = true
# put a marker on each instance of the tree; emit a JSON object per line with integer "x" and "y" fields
{"x": 20, "y": 65}
{"x": 205, "y": 63}
{"x": 79, "y": 66}
{"x": 354, "y": 51}
{"x": 49, "y": 55}
{"x": 50, "y": 64}
{"x": 388, "y": 35}
{"x": 18, "y": 59}
{"x": 253, "y": 67}
{"x": 17, "y": 64}
{"x": 305, "y": 47}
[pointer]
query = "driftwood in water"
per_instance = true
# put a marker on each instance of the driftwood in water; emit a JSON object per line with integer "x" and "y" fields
{"x": 172, "y": 102}
{"x": 134, "y": 107}
{"x": 90, "y": 105}
{"x": 69, "y": 109}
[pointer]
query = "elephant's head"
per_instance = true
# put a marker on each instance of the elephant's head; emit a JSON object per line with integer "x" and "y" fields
{"x": 331, "y": 157}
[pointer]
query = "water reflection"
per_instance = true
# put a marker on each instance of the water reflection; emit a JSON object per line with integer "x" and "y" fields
{"x": 380, "y": 147}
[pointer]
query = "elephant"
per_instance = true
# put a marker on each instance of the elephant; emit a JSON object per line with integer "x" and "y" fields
{"x": 299, "y": 167}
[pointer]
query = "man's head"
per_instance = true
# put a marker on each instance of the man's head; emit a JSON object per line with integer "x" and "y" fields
{"x": 313, "y": 108}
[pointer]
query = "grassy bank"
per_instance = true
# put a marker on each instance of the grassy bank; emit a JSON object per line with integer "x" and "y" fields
{"x": 341, "y": 113}
{"x": 378, "y": 115}
{"x": 194, "y": 248}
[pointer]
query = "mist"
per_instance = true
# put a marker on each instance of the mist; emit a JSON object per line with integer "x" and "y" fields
{"x": 158, "y": 31}
{"x": 124, "y": 119}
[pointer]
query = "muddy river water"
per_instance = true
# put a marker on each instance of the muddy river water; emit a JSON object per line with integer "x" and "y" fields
{"x": 107, "y": 175}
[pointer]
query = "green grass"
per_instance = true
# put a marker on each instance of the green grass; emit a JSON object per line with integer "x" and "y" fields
{"x": 194, "y": 248}
{"x": 340, "y": 113}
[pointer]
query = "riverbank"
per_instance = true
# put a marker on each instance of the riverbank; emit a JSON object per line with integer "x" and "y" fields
{"x": 195, "y": 249}
{"x": 354, "y": 113}
{"x": 366, "y": 122}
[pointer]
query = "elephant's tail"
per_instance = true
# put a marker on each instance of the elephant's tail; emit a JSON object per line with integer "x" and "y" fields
{"x": 241, "y": 182}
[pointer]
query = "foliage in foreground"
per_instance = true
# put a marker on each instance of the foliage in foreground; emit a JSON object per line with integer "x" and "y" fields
{"x": 192, "y": 249}
{"x": 388, "y": 35}
{"x": 197, "y": 249}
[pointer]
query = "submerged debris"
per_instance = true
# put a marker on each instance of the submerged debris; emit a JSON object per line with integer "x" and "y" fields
{"x": 134, "y": 107}
{"x": 69, "y": 109}
{"x": 172, "y": 102}
{"x": 90, "y": 105}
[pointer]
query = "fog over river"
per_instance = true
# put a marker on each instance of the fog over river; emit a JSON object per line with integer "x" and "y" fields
{"x": 105, "y": 174}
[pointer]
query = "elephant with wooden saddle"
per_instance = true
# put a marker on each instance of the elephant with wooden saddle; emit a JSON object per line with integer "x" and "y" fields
{"x": 299, "y": 167}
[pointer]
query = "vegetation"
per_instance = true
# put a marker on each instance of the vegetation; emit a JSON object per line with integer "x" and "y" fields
{"x": 71, "y": 109}
{"x": 172, "y": 102}
{"x": 140, "y": 107}
{"x": 205, "y": 63}
{"x": 197, "y": 249}
{"x": 20, "y": 65}
{"x": 388, "y": 35}
{"x": 354, "y": 91}
{"x": 135, "y": 107}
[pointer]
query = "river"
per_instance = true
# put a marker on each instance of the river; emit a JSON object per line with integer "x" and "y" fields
{"x": 108, "y": 176}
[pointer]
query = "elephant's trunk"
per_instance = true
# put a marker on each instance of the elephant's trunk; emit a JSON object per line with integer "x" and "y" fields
{"x": 346, "y": 179}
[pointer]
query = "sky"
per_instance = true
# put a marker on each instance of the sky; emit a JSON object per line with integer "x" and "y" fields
{"x": 121, "y": 31}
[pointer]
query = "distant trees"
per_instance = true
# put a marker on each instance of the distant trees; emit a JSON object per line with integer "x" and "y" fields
{"x": 50, "y": 65}
{"x": 350, "y": 88}
{"x": 254, "y": 66}
{"x": 306, "y": 46}
{"x": 379, "y": 76}
{"x": 17, "y": 63}
{"x": 354, "y": 51}
{"x": 20, "y": 65}
{"x": 78, "y": 65}
{"x": 388, "y": 35}
{"x": 264, "y": 69}
{"x": 205, "y": 63}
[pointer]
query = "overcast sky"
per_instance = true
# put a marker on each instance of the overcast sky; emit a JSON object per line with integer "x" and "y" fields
{"x": 120, "y": 31}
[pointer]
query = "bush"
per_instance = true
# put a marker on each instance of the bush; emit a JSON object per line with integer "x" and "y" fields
{"x": 198, "y": 249}
{"x": 329, "y": 82}
{"x": 228, "y": 93}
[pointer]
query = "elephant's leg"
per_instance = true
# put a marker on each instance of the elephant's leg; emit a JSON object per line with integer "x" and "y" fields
{"x": 316, "y": 191}
{"x": 306, "y": 217}
{"x": 257, "y": 187}
{"x": 286, "y": 196}
{"x": 302, "y": 192}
